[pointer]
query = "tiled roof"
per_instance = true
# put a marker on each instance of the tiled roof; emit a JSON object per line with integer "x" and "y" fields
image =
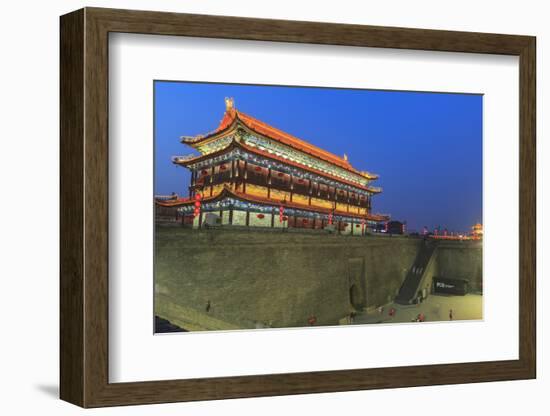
{"x": 265, "y": 129}
{"x": 292, "y": 141}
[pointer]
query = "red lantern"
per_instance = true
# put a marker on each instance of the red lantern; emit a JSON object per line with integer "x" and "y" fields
{"x": 300, "y": 181}
{"x": 280, "y": 174}
{"x": 257, "y": 168}
{"x": 260, "y": 216}
{"x": 305, "y": 221}
{"x": 330, "y": 218}
{"x": 357, "y": 225}
{"x": 197, "y": 204}
{"x": 285, "y": 218}
{"x": 223, "y": 167}
{"x": 204, "y": 172}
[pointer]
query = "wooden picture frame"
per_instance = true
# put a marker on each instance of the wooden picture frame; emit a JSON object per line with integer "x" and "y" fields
{"x": 84, "y": 207}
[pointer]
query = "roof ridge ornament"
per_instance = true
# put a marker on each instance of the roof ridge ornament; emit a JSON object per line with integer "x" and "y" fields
{"x": 229, "y": 104}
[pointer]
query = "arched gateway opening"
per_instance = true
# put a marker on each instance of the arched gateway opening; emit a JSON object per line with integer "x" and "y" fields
{"x": 355, "y": 297}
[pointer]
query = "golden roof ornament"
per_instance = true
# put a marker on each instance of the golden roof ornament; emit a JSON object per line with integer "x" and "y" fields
{"x": 229, "y": 104}
{"x": 345, "y": 157}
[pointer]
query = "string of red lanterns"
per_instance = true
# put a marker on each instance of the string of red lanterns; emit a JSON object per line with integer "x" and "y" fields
{"x": 197, "y": 210}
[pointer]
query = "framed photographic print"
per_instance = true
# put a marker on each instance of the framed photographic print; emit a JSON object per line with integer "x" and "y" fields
{"x": 256, "y": 207}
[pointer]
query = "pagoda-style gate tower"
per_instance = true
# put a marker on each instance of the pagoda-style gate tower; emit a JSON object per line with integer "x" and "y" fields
{"x": 252, "y": 174}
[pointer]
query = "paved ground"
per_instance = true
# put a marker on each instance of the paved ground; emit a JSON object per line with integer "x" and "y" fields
{"x": 434, "y": 308}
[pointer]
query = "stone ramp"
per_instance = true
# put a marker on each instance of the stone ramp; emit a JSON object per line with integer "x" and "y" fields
{"x": 187, "y": 318}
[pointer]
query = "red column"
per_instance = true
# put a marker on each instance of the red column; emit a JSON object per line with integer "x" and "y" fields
{"x": 269, "y": 182}
{"x": 245, "y": 176}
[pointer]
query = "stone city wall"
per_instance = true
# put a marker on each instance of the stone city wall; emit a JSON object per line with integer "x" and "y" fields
{"x": 250, "y": 277}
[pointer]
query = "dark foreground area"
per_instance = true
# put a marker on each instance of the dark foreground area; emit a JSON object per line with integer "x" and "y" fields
{"x": 163, "y": 326}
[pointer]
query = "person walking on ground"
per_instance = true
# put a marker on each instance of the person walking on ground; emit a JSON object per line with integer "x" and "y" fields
{"x": 450, "y": 314}
{"x": 208, "y": 305}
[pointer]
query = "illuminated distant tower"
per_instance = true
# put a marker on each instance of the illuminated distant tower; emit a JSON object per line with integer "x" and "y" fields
{"x": 477, "y": 231}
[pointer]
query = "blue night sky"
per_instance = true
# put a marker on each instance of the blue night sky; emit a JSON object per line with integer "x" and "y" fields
{"x": 426, "y": 147}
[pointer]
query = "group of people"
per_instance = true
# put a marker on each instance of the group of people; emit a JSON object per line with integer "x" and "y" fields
{"x": 421, "y": 317}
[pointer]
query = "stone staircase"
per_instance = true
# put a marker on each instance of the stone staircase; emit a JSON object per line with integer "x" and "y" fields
{"x": 409, "y": 288}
